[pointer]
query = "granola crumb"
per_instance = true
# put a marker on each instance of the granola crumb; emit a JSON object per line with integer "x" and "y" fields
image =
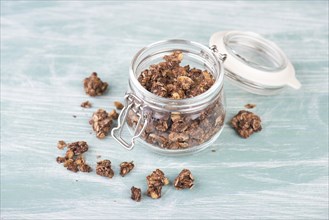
{"x": 86, "y": 104}
{"x": 250, "y": 106}
{"x": 103, "y": 168}
{"x": 94, "y": 86}
{"x": 118, "y": 105}
{"x": 61, "y": 145}
{"x": 184, "y": 180}
{"x": 246, "y": 123}
{"x": 136, "y": 194}
{"x": 60, "y": 159}
{"x": 101, "y": 122}
{"x": 126, "y": 167}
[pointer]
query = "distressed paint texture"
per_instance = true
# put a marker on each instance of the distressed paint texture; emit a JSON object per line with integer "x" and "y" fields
{"x": 48, "y": 47}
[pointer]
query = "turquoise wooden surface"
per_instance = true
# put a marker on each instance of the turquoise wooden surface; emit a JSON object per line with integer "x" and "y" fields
{"x": 48, "y": 47}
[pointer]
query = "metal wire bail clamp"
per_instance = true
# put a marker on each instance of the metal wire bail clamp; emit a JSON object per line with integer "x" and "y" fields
{"x": 132, "y": 102}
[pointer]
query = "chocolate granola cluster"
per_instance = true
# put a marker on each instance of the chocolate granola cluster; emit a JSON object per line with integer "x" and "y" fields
{"x": 126, "y": 167}
{"x": 246, "y": 123}
{"x": 136, "y": 194}
{"x": 104, "y": 168}
{"x": 184, "y": 180}
{"x": 155, "y": 181}
{"x": 94, "y": 86}
{"x": 101, "y": 122}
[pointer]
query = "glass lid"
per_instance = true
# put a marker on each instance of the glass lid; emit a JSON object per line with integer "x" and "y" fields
{"x": 254, "y": 63}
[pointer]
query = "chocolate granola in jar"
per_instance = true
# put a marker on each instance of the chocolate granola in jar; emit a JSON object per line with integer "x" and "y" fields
{"x": 175, "y": 102}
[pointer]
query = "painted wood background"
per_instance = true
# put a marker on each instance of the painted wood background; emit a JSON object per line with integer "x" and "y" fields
{"x": 48, "y": 47}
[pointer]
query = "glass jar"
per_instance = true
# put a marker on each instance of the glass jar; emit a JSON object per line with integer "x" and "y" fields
{"x": 173, "y": 126}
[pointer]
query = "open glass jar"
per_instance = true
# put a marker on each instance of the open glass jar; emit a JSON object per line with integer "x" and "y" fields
{"x": 172, "y": 126}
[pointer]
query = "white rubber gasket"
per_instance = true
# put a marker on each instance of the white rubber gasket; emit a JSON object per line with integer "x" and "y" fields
{"x": 272, "y": 79}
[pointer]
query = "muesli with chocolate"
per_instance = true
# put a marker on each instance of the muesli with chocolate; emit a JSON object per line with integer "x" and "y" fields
{"x": 246, "y": 123}
{"x": 94, "y": 86}
{"x": 104, "y": 168}
{"x": 101, "y": 123}
{"x": 73, "y": 159}
{"x": 175, "y": 130}
{"x": 136, "y": 194}
{"x": 184, "y": 180}
{"x": 126, "y": 167}
{"x": 155, "y": 181}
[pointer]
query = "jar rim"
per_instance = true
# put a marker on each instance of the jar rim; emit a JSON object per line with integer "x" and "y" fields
{"x": 178, "y": 103}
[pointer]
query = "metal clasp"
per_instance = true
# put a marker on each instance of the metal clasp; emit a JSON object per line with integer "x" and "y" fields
{"x": 221, "y": 56}
{"x": 132, "y": 102}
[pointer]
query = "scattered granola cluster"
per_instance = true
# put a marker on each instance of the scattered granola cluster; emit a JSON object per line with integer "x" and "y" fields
{"x": 126, "y": 167}
{"x": 155, "y": 181}
{"x": 246, "y": 123}
{"x": 103, "y": 168}
{"x": 73, "y": 159}
{"x": 136, "y": 194}
{"x": 94, "y": 86}
{"x": 184, "y": 180}
{"x": 101, "y": 122}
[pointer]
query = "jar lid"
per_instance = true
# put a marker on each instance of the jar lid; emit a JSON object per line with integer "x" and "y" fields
{"x": 254, "y": 63}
